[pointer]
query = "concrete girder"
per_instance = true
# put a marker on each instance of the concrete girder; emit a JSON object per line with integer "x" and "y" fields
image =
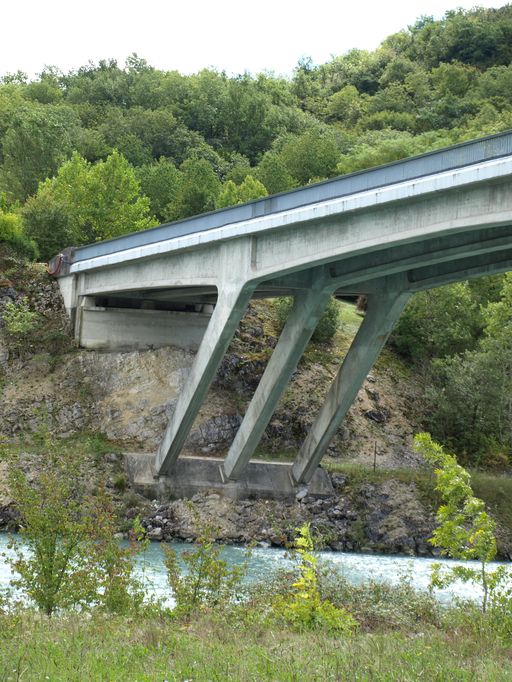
{"x": 431, "y": 252}
{"x": 466, "y": 268}
{"x": 300, "y": 325}
{"x": 293, "y": 249}
{"x": 391, "y": 226}
{"x": 382, "y": 313}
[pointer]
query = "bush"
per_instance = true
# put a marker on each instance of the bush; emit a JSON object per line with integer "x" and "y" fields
{"x": 302, "y": 606}
{"x": 209, "y": 581}
{"x": 74, "y": 558}
{"x": 326, "y": 327}
{"x": 465, "y": 530}
{"x": 438, "y": 322}
{"x": 19, "y": 319}
{"x": 378, "y": 605}
{"x": 11, "y": 233}
{"x": 47, "y": 223}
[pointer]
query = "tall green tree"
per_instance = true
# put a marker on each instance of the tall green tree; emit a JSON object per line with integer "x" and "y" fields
{"x": 159, "y": 182}
{"x": 438, "y": 322}
{"x": 470, "y": 396}
{"x": 197, "y": 191}
{"x": 38, "y": 140}
{"x": 248, "y": 190}
{"x": 85, "y": 203}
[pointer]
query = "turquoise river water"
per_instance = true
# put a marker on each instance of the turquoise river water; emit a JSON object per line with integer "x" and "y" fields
{"x": 356, "y": 568}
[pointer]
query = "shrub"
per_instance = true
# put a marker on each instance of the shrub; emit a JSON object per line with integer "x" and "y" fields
{"x": 465, "y": 530}
{"x": 116, "y": 589}
{"x": 11, "y": 233}
{"x": 54, "y": 574}
{"x": 303, "y": 606}
{"x": 209, "y": 581}
{"x": 73, "y": 557}
{"x": 19, "y": 319}
{"x": 326, "y": 327}
{"x": 379, "y": 605}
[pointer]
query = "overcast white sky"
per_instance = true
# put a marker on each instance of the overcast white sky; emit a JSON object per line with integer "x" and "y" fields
{"x": 236, "y": 36}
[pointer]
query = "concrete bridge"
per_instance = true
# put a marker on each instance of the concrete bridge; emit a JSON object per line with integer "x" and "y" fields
{"x": 386, "y": 233}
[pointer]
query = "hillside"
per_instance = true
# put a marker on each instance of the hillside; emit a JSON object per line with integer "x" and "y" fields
{"x": 128, "y": 396}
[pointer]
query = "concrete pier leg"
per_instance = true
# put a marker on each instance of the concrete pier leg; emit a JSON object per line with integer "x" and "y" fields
{"x": 300, "y": 325}
{"x": 382, "y": 313}
{"x": 231, "y": 306}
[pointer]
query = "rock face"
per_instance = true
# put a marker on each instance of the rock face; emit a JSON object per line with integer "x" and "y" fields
{"x": 130, "y": 396}
{"x": 387, "y": 517}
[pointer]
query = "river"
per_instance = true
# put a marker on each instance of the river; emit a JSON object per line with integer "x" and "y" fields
{"x": 356, "y": 568}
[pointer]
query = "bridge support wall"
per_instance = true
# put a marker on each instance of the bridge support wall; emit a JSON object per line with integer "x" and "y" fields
{"x": 129, "y": 329}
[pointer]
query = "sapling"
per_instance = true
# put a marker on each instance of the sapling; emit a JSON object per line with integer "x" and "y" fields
{"x": 465, "y": 530}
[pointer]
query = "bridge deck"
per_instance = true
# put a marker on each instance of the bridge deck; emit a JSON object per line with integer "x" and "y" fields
{"x": 439, "y": 161}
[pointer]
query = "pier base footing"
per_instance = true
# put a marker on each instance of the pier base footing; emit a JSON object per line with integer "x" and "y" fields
{"x": 192, "y": 475}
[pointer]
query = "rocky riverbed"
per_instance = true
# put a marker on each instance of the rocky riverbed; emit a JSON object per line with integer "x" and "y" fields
{"x": 387, "y": 517}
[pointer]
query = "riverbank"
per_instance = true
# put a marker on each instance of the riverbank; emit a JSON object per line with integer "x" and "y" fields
{"x": 382, "y": 511}
{"x": 238, "y": 646}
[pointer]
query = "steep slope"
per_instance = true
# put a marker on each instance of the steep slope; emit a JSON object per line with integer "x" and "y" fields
{"x": 130, "y": 396}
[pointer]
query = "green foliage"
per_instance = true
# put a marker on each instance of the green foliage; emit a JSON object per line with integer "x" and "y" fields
{"x": 209, "y": 581}
{"x": 20, "y": 321}
{"x": 55, "y": 574}
{"x": 469, "y": 396}
{"x": 303, "y": 607}
{"x": 110, "y": 565}
{"x": 159, "y": 182}
{"x": 274, "y": 174}
{"x": 232, "y": 194}
{"x": 197, "y": 191}
{"x": 39, "y": 139}
{"x": 378, "y": 605}
{"x": 11, "y": 233}
{"x": 73, "y": 557}
{"x": 438, "y": 322}
{"x": 327, "y": 326}
{"x": 84, "y": 203}
{"x": 47, "y": 223}
{"x": 312, "y": 155}
{"x": 465, "y": 530}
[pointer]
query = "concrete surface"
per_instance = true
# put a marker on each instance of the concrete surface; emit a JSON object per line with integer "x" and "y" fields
{"x": 198, "y": 474}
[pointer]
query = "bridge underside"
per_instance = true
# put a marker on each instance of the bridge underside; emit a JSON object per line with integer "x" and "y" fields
{"x": 387, "y": 277}
{"x": 384, "y": 252}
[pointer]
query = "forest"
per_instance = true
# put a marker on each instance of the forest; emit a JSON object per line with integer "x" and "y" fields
{"x": 110, "y": 149}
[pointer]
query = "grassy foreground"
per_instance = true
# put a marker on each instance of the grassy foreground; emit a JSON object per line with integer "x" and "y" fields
{"x": 226, "y": 647}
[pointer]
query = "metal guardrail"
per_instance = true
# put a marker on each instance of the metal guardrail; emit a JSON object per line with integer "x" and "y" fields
{"x": 448, "y": 158}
